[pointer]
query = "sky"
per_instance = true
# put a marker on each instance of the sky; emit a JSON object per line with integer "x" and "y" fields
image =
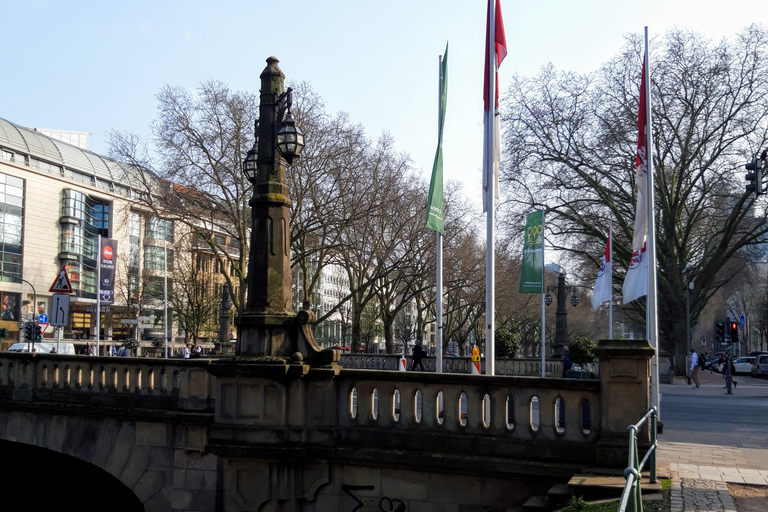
{"x": 93, "y": 66}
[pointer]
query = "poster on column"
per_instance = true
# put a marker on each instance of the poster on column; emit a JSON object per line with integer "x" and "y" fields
{"x": 108, "y": 257}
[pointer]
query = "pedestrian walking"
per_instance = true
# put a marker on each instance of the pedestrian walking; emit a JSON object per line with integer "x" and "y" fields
{"x": 567, "y": 364}
{"x": 695, "y": 368}
{"x": 417, "y": 355}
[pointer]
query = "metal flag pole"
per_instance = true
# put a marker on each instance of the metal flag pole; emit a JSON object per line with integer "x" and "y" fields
{"x": 490, "y": 263}
{"x": 98, "y": 294}
{"x": 543, "y": 303}
{"x": 610, "y": 299}
{"x": 165, "y": 300}
{"x": 652, "y": 304}
{"x": 439, "y": 242}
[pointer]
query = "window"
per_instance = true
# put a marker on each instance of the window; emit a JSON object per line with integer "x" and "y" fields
{"x": 81, "y": 238}
{"x": 155, "y": 288}
{"x": 11, "y": 227}
{"x": 154, "y": 258}
{"x": 134, "y": 225}
{"x": 133, "y": 257}
{"x": 160, "y": 229}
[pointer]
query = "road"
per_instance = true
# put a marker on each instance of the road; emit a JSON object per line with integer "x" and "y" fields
{"x": 708, "y": 415}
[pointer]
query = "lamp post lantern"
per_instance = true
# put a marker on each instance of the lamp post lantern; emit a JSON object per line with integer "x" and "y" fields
{"x": 267, "y": 328}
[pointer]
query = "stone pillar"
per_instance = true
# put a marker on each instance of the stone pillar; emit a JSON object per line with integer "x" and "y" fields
{"x": 625, "y": 373}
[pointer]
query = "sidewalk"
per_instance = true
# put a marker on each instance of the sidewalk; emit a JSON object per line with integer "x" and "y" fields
{"x": 700, "y": 473}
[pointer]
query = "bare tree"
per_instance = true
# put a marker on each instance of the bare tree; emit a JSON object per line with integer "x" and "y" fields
{"x": 570, "y": 142}
{"x": 193, "y": 296}
{"x": 200, "y": 139}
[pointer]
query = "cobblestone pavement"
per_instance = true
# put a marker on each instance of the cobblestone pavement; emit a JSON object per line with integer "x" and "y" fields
{"x": 701, "y": 473}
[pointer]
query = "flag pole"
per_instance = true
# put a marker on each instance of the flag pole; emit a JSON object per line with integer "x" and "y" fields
{"x": 543, "y": 303}
{"x": 439, "y": 242}
{"x": 610, "y": 299}
{"x": 98, "y": 294}
{"x": 490, "y": 271}
{"x": 651, "y": 306}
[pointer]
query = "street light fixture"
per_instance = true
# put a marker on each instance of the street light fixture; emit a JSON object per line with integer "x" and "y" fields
{"x": 688, "y": 272}
{"x": 288, "y": 140}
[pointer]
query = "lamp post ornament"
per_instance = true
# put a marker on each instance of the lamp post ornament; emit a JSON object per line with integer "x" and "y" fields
{"x": 267, "y": 328}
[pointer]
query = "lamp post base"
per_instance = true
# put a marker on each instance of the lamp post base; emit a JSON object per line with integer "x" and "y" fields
{"x": 285, "y": 335}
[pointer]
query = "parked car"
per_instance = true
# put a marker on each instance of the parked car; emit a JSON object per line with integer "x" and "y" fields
{"x": 43, "y": 347}
{"x": 760, "y": 367}
{"x": 712, "y": 362}
{"x": 743, "y": 364}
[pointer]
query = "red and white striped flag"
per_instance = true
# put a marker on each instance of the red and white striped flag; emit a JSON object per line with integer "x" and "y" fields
{"x": 636, "y": 282}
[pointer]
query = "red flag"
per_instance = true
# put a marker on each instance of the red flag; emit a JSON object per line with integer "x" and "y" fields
{"x": 491, "y": 143}
{"x": 500, "y": 47}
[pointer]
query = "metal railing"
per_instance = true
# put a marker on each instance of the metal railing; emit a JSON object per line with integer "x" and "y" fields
{"x": 632, "y": 498}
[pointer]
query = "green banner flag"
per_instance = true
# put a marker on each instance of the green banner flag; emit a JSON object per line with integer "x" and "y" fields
{"x": 435, "y": 202}
{"x": 532, "y": 274}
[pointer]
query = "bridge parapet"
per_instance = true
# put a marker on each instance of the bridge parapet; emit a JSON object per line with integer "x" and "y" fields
{"x": 470, "y": 416}
{"x": 525, "y": 366}
{"x": 183, "y": 385}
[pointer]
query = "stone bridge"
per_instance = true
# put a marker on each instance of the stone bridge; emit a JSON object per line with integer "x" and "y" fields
{"x": 239, "y": 435}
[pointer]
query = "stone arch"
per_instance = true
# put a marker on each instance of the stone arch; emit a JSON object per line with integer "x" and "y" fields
{"x": 35, "y": 478}
{"x": 140, "y": 455}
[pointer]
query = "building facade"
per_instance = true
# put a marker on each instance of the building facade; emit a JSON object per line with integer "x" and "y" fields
{"x": 56, "y": 200}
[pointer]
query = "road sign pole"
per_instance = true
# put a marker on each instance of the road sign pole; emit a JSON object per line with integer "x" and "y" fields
{"x": 58, "y": 339}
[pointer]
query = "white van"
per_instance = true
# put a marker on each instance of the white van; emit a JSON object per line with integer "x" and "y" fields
{"x": 44, "y": 348}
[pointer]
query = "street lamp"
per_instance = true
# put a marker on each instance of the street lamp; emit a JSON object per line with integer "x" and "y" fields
{"x": 688, "y": 272}
{"x": 561, "y": 320}
{"x": 267, "y": 327}
{"x": 288, "y": 140}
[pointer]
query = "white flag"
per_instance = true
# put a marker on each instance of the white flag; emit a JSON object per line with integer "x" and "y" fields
{"x": 604, "y": 284}
{"x": 636, "y": 282}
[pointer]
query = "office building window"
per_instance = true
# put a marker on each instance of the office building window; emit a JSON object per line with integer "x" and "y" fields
{"x": 11, "y": 227}
{"x": 154, "y": 258}
{"x": 160, "y": 229}
{"x": 82, "y": 237}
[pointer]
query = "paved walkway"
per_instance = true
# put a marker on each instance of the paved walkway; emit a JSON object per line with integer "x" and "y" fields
{"x": 700, "y": 473}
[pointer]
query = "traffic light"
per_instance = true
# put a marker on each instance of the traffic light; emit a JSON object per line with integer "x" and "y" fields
{"x": 3, "y": 333}
{"x": 755, "y": 178}
{"x": 29, "y": 331}
{"x": 720, "y": 332}
{"x": 38, "y": 333}
{"x": 734, "y": 335}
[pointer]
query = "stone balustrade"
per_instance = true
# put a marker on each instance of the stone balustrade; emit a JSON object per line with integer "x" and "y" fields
{"x": 470, "y": 415}
{"x": 527, "y": 366}
{"x": 58, "y": 377}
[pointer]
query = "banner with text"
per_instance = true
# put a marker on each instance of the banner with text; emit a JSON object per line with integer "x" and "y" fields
{"x": 107, "y": 259}
{"x": 532, "y": 274}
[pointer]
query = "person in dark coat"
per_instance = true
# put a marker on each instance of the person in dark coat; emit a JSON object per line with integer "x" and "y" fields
{"x": 566, "y": 361}
{"x": 418, "y": 355}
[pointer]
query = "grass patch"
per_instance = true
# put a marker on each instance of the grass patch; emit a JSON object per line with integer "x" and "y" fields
{"x": 577, "y": 504}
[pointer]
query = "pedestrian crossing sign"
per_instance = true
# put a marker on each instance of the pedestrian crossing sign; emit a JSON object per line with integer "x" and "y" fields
{"x": 61, "y": 284}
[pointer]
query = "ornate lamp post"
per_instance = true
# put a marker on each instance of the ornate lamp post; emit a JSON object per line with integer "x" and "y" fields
{"x": 561, "y": 315}
{"x": 267, "y": 328}
{"x": 226, "y": 305}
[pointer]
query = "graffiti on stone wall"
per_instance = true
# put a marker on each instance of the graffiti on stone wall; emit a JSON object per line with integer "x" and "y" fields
{"x": 385, "y": 504}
